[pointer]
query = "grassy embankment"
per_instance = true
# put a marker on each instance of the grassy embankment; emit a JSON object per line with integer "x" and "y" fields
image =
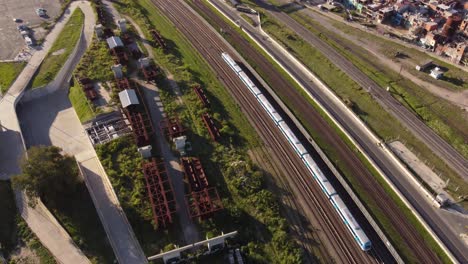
{"x": 455, "y": 78}
{"x": 444, "y": 118}
{"x": 339, "y": 78}
{"x": 78, "y": 216}
{"x": 83, "y": 107}
{"x": 96, "y": 65}
{"x": 8, "y": 73}
{"x": 15, "y": 233}
{"x": 60, "y": 50}
{"x": 261, "y": 227}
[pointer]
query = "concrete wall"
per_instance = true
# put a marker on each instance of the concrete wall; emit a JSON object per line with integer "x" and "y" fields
{"x": 63, "y": 76}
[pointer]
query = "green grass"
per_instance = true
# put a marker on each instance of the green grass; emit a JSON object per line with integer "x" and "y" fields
{"x": 122, "y": 161}
{"x": 456, "y": 78}
{"x": 440, "y": 115}
{"x": 443, "y": 117}
{"x": 64, "y": 44}
{"x": 334, "y": 157}
{"x": 78, "y": 216}
{"x": 262, "y": 229}
{"x": 8, "y": 73}
{"x": 96, "y": 62}
{"x": 83, "y": 107}
{"x": 14, "y": 232}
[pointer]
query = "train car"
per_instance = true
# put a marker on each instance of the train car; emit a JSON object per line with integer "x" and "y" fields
{"x": 270, "y": 109}
{"x": 297, "y": 145}
{"x": 317, "y": 174}
{"x": 230, "y": 61}
{"x": 249, "y": 83}
{"x": 351, "y": 223}
{"x": 323, "y": 182}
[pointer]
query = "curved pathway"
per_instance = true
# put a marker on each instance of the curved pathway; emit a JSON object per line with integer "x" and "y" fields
{"x": 51, "y": 120}
{"x": 12, "y": 147}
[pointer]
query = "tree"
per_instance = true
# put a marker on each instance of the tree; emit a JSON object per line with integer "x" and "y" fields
{"x": 47, "y": 174}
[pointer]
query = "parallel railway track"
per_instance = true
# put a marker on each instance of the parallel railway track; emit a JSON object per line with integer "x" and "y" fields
{"x": 411, "y": 239}
{"x": 210, "y": 46}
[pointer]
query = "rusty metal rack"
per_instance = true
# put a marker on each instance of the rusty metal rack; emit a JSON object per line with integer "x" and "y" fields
{"x": 88, "y": 88}
{"x": 210, "y": 125}
{"x": 141, "y": 126}
{"x": 120, "y": 55}
{"x": 202, "y": 96}
{"x": 124, "y": 83}
{"x": 204, "y": 203}
{"x": 158, "y": 39}
{"x": 150, "y": 73}
{"x": 171, "y": 127}
{"x": 160, "y": 192}
{"x": 203, "y": 200}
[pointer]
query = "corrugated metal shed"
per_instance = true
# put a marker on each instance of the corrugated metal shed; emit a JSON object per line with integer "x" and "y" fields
{"x": 128, "y": 97}
{"x": 113, "y": 42}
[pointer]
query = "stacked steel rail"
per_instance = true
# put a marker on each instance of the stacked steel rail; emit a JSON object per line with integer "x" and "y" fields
{"x": 202, "y": 200}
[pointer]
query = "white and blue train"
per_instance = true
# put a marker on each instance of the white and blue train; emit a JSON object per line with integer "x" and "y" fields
{"x": 317, "y": 174}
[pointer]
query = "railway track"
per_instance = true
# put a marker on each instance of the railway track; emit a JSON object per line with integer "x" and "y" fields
{"x": 413, "y": 122}
{"x": 210, "y": 46}
{"x": 412, "y": 239}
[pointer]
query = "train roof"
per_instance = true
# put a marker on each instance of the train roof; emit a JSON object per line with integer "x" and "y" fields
{"x": 329, "y": 188}
{"x": 277, "y": 117}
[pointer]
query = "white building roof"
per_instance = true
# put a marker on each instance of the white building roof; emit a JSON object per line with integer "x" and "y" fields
{"x": 128, "y": 97}
{"x": 113, "y": 42}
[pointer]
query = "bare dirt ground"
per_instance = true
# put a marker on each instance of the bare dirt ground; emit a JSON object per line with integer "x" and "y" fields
{"x": 25, "y": 255}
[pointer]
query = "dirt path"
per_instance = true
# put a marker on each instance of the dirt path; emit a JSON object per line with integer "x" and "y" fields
{"x": 457, "y": 98}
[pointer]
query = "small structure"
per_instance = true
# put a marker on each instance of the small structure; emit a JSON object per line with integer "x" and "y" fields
{"x": 114, "y": 42}
{"x": 145, "y": 151}
{"x": 436, "y": 73}
{"x": 214, "y": 244}
{"x": 128, "y": 97}
{"x": 117, "y": 69}
{"x": 99, "y": 30}
{"x": 122, "y": 24}
{"x": 180, "y": 144}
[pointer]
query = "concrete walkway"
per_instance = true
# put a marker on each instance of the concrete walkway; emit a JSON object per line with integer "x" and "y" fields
{"x": 51, "y": 120}
{"x": 39, "y": 219}
{"x": 50, "y": 232}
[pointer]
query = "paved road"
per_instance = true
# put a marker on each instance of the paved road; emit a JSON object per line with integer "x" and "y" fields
{"x": 438, "y": 145}
{"x": 39, "y": 219}
{"x": 51, "y": 120}
{"x": 435, "y": 218}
